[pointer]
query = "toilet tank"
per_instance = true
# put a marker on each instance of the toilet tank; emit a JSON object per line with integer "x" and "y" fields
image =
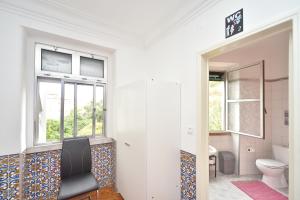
{"x": 281, "y": 153}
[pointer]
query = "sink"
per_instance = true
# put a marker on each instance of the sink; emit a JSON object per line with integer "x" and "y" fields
{"x": 212, "y": 150}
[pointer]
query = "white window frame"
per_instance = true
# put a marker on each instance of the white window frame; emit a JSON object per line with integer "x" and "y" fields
{"x": 63, "y": 78}
{"x": 75, "y": 74}
{"x": 260, "y": 100}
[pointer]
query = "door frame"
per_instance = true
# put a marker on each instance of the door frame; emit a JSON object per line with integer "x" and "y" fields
{"x": 274, "y": 26}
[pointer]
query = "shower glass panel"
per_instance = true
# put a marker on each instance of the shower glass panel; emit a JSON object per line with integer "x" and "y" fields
{"x": 245, "y": 100}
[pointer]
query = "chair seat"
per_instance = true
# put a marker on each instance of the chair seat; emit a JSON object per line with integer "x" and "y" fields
{"x": 76, "y": 185}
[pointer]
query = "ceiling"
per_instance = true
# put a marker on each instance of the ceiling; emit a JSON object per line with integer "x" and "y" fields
{"x": 133, "y": 16}
{"x": 137, "y": 18}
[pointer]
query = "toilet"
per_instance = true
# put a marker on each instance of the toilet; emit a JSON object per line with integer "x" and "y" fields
{"x": 273, "y": 170}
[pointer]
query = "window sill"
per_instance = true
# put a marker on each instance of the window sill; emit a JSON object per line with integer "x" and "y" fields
{"x": 220, "y": 133}
{"x": 57, "y": 146}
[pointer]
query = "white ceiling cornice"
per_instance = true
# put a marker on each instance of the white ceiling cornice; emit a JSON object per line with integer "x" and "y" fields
{"x": 176, "y": 22}
{"x": 73, "y": 19}
{"x": 90, "y": 29}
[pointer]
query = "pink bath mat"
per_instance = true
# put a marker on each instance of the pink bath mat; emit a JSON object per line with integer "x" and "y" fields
{"x": 258, "y": 190}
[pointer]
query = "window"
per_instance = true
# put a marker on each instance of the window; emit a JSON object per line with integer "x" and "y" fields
{"x": 66, "y": 63}
{"x": 91, "y": 67}
{"x": 245, "y": 100}
{"x": 56, "y": 61}
{"x": 216, "y": 102}
{"x": 68, "y": 105}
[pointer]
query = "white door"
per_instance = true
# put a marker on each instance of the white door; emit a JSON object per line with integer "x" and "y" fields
{"x": 163, "y": 138}
{"x": 131, "y": 141}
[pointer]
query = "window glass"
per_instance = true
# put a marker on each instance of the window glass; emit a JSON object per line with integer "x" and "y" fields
{"x": 99, "y": 106}
{"x": 246, "y": 100}
{"x": 91, "y": 67}
{"x": 84, "y": 110}
{"x": 216, "y": 105}
{"x": 244, "y": 117}
{"x": 69, "y": 110}
{"x": 56, "y": 61}
{"x": 48, "y": 108}
{"x": 244, "y": 83}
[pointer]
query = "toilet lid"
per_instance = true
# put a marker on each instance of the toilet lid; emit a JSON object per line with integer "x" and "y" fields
{"x": 271, "y": 163}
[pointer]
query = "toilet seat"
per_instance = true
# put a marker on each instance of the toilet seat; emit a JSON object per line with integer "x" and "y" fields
{"x": 269, "y": 163}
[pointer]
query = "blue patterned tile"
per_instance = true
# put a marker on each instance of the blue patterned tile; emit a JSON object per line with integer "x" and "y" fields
{"x": 54, "y": 177}
{"x": 103, "y": 167}
{"x": 3, "y": 177}
{"x": 10, "y": 177}
{"x": 42, "y": 171}
{"x": 188, "y": 176}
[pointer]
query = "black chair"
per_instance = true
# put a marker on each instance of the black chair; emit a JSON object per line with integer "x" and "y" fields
{"x": 75, "y": 172}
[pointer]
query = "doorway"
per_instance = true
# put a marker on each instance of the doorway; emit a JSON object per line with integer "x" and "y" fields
{"x": 202, "y": 164}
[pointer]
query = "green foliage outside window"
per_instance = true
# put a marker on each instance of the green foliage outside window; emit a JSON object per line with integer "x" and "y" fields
{"x": 216, "y": 105}
{"x": 84, "y": 123}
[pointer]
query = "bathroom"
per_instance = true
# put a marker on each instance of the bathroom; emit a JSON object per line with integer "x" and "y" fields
{"x": 249, "y": 119}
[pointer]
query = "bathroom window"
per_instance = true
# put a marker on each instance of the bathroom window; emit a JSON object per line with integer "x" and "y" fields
{"x": 216, "y": 102}
{"x": 70, "y": 95}
{"x": 245, "y": 100}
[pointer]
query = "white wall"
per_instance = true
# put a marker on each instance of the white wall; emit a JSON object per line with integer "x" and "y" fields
{"x": 11, "y": 56}
{"x": 280, "y": 131}
{"x": 175, "y": 56}
{"x": 16, "y": 126}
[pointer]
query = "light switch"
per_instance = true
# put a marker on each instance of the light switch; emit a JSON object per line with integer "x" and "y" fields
{"x": 190, "y": 131}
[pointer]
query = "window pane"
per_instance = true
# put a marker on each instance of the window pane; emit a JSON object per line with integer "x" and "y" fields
{"x": 84, "y": 110}
{"x": 91, "y": 67}
{"x": 48, "y": 107}
{"x": 56, "y": 61}
{"x": 216, "y": 105}
{"x": 99, "y": 110}
{"x": 244, "y": 83}
{"x": 69, "y": 110}
{"x": 244, "y": 117}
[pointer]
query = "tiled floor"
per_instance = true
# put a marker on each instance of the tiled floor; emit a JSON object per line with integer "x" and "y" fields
{"x": 221, "y": 188}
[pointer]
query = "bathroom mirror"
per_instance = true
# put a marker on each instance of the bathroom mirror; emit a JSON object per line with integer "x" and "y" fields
{"x": 245, "y": 100}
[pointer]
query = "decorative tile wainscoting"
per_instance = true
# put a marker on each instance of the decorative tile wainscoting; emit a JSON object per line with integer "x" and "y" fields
{"x": 37, "y": 175}
{"x": 10, "y": 177}
{"x": 41, "y": 172}
{"x": 41, "y": 175}
{"x": 188, "y": 176}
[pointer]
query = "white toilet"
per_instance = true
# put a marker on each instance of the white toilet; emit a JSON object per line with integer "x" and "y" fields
{"x": 273, "y": 170}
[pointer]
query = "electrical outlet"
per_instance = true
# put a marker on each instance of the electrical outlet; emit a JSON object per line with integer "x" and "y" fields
{"x": 250, "y": 149}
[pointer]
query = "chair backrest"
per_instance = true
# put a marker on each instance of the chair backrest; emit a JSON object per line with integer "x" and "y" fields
{"x": 75, "y": 157}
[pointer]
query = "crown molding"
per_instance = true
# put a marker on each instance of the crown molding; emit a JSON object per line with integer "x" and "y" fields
{"x": 90, "y": 29}
{"x": 178, "y": 21}
{"x": 93, "y": 29}
{"x": 83, "y": 15}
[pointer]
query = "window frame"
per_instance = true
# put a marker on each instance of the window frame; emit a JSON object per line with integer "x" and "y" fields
{"x": 62, "y": 99}
{"x": 261, "y": 100}
{"x": 224, "y": 131}
{"x": 75, "y": 63}
{"x": 63, "y": 78}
